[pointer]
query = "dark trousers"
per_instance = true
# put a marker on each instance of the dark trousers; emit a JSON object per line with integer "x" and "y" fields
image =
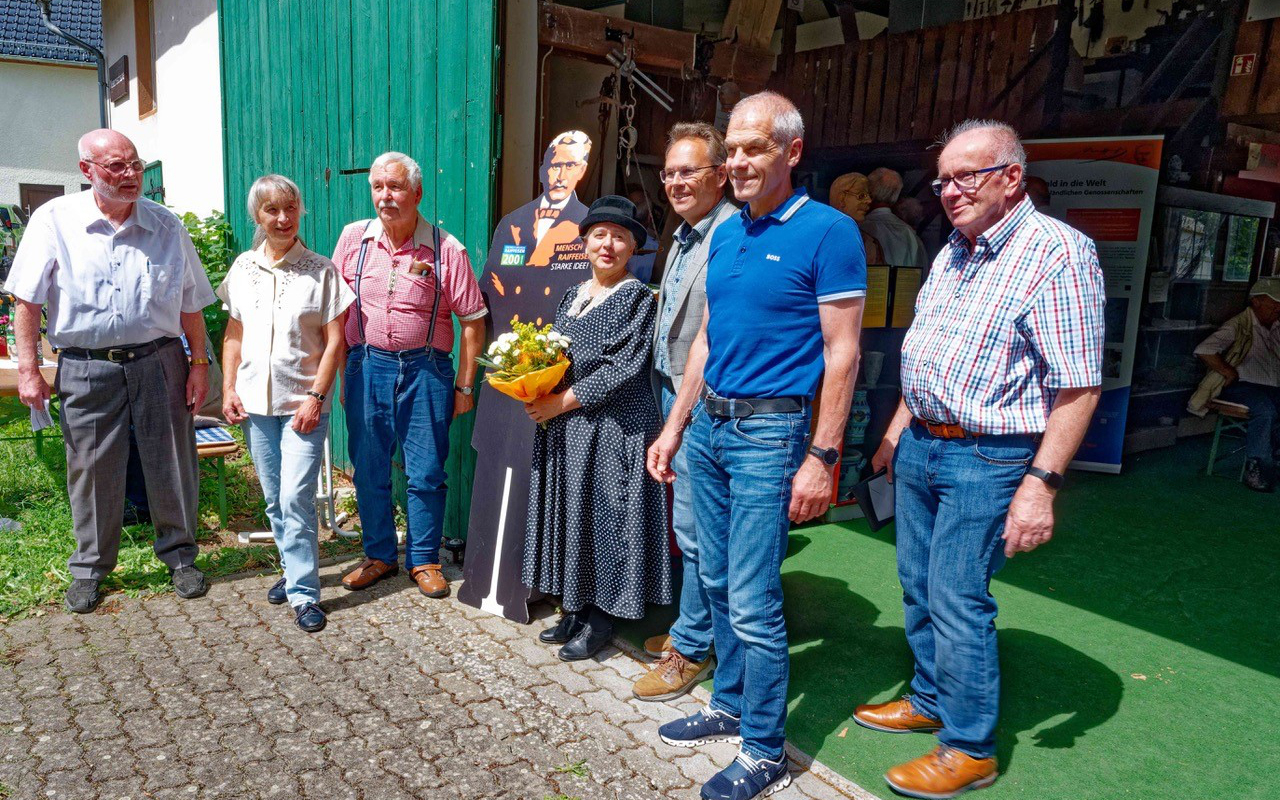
{"x": 1262, "y": 434}
{"x": 100, "y": 401}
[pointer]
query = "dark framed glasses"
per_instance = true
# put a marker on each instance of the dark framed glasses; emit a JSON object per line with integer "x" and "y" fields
{"x": 964, "y": 181}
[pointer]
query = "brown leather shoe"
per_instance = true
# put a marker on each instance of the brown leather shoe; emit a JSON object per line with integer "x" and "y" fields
{"x": 430, "y": 580}
{"x": 671, "y": 677}
{"x": 896, "y": 716}
{"x": 945, "y": 772}
{"x": 657, "y": 646}
{"x": 368, "y": 573}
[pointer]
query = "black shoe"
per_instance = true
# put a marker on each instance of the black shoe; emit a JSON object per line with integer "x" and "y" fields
{"x": 135, "y": 515}
{"x": 1257, "y": 476}
{"x": 83, "y": 596}
{"x": 276, "y": 595}
{"x": 189, "y": 582}
{"x": 310, "y": 617}
{"x": 596, "y": 632}
{"x": 564, "y": 630}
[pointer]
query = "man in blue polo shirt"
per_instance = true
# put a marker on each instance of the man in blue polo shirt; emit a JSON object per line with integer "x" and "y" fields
{"x": 785, "y": 286}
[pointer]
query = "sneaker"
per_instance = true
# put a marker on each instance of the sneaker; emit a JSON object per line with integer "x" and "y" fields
{"x": 668, "y": 679}
{"x": 747, "y": 778}
{"x": 1257, "y": 476}
{"x": 658, "y": 646}
{"x": 707, "y": 726}
{"x": 83, "y": 596}
{"x": 310, "y": 617}
{"x": 189, "y": 582}
{"x": 276, "y": 594}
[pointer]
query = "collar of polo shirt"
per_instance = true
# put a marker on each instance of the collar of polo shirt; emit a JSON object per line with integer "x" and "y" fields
{"x": 783, "y": 212}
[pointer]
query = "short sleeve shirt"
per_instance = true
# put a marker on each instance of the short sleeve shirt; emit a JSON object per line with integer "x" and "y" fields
{"x": 398, "y": 287}
{"x": 283, "y": 307}
{"x": 765, "y": 280}
{"x": 108, "y": 287}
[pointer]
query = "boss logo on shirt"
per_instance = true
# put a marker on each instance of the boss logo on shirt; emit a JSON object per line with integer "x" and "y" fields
{"x": 772, "y": 257}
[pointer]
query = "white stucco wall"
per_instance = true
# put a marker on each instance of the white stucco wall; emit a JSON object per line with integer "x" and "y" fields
{"x": 45, "y": 109}
{"x": 185, "y": 131}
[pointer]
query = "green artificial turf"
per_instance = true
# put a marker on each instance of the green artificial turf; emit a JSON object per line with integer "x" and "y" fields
{"x": 1140, "y": 649}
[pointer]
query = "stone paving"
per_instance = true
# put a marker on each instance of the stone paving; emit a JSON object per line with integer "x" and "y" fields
{"x": 400, "y": 697}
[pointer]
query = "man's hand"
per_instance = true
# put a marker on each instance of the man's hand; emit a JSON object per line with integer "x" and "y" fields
{"x": 883, "y": 459}
{"x": 232, "y": 407}
{"x": 33, "y": 389}
{"x": 660, "y": 454}
{"x": 462, "y": 403}
{"x": 1229, "y": 374}
{"x": 1029, "y": 523}
{"x": 810, "y": 491}
{"x": 307, "y": 416}
{"x": 197, "y": 387}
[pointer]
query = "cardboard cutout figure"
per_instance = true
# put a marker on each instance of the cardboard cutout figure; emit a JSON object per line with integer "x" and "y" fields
{"x": 535, "y": 257}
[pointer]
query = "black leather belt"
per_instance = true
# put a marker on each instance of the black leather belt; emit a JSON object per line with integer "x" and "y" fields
{"x": 118, "y": 355}
{"x": 738, "y": 407}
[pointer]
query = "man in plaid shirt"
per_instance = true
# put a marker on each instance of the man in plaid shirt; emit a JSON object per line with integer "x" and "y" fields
{"x": 1001, "y": 372}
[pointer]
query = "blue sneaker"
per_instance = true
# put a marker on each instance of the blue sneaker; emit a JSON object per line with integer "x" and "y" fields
{"x": 707, "y": 726}
{"x": 276, "y": 594}
{"x": 747, "y": 778}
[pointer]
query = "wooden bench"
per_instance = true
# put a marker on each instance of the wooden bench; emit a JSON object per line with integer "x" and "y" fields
{"x": 217, "y": 443}
{"x": 1233, "y": 420}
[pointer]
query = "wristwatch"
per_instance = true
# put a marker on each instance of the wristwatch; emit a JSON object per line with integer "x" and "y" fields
{"x": 317, "y": 395}
{"x": 199, "y": 360}
{"x": 1053, "y": 480}
{"x": 466, "y": 390}
{"x": 827, "y": 455}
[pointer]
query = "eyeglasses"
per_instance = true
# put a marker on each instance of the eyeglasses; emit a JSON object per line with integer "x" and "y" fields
{"x": 964, "y": 181}
{"x": 121, "y": 167}
{"x": 684, "y": 174}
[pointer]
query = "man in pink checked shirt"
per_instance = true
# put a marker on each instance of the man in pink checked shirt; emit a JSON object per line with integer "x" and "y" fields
{"x": 410, "y": 279}
{"x": 1001, "y": 372}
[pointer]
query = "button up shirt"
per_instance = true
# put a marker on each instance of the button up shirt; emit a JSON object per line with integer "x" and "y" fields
{"x": 283, "y": 306}
{"x": 108, "y": 286}
{"x": 1262, "y": 364}
{"x": 395, "y": 300}
{"x": 898, "y": 241}
{"x": 1003, "y": 325}
{"x": 686, "y": 239}
{"x": 765, "y": 280}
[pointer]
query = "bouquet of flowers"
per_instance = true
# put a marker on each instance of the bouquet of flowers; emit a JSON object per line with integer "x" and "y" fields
{"x": 528, "y": 362}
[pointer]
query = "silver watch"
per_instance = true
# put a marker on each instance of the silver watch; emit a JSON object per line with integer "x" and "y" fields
{"x": 466, "y": 390}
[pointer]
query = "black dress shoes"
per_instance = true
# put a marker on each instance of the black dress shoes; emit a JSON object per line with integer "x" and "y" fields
{"x": 310, "y": 617}
{"x": 564, "y": 630}
{"x": 596, "y": 632}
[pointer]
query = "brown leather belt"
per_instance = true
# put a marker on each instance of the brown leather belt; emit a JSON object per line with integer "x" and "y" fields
{"x": 945, "y": 430}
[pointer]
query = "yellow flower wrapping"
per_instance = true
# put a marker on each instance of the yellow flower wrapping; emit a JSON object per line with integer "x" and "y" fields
{"x": 532, "y": 385}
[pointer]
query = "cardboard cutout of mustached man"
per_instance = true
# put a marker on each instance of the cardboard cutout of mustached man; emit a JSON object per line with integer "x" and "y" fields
{"x": 535, "y": 257}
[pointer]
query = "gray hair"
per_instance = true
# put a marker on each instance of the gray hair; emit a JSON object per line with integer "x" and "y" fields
{"x": 393, "y": 157}
{"x": 700, "y": 131}
{"x": 268, "y": 186}
{"x": 1006, "y": 145}
{"x": 886, "y": 185}
{"x": 788, "y": 125}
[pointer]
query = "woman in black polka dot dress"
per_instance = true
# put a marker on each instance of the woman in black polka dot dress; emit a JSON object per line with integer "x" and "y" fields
{"x": 597, "y": 532}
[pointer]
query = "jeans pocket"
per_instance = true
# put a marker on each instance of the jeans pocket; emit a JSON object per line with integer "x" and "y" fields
{"x": 766, "y": 430}
{"x": 1004, "y": 455}
{"x": 442, "y": 367}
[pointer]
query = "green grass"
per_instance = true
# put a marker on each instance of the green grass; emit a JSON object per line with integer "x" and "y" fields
{"x": 578, "y": 768}
{"x": 33, "y": 561}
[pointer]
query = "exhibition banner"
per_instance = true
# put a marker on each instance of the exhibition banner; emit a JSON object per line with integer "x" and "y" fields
{"x": 1105, "y": 188}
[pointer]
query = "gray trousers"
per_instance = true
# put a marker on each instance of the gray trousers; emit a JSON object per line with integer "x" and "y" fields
{"x": 100, "y": 401}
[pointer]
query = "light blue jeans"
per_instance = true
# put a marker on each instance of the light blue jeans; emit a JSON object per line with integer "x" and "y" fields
{"x": 951, "y": 497}
{"x": 742, "y": 471}
{"x": 691, "y": 632}
{"x": 288, "y": 463}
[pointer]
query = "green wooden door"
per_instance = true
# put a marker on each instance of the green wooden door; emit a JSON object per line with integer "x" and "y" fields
{"x": 316, "y": 89}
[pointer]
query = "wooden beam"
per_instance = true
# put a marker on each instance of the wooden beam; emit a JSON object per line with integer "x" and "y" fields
{"x": 753, "y": 20}
{"x": 593, "y": 36}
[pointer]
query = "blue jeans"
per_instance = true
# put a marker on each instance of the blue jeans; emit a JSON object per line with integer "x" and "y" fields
{"x": 405, "y": 400}
{"x": 951, "y": 497}
{"x": 288, "y": 463}
{"x": 742, "y": 471}
{"x": 691, "y": 632}
{"x": 1261, "y": 433}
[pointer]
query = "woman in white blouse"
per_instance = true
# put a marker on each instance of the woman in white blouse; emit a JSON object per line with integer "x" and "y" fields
{"x": 283, "y": 346}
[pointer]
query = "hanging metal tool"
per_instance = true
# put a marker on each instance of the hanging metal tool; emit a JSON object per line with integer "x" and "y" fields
{"x": 625, "y": 62}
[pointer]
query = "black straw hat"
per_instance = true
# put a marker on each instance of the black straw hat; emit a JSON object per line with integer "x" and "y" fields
{"x": 618, "y": 210}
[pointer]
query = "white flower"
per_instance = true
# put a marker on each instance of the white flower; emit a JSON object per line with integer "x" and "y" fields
{"x": 541, "y": 337}
{"x": 508, "y": 337}
{"x": 503, "y": 347}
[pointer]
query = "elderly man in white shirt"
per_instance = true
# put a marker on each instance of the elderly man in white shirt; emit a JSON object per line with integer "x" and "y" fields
{"x": 122, "y": 283}
{"x": 899, "y": 242}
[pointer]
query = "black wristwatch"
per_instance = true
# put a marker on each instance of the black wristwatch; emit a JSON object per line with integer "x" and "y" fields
{"x": 317, "y": 395}
{"x": 1053, "y": 480}
{"x": 827, "y": 455}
